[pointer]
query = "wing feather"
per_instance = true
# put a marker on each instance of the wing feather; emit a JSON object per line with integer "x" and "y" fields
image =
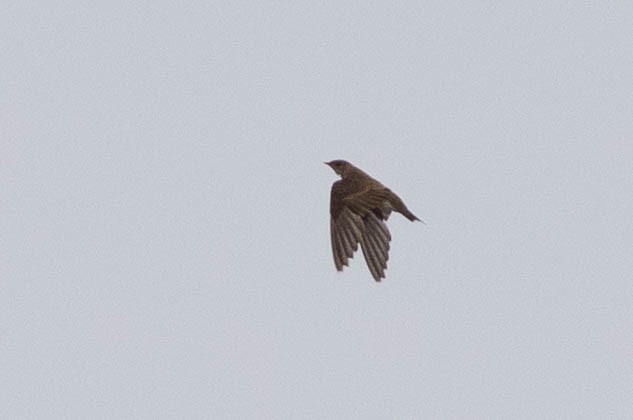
{"x": 375, "y": 245}
{"x": 367, "y": 200}
{"x": 346, "y": 232}
{"x": 336, "y": 246}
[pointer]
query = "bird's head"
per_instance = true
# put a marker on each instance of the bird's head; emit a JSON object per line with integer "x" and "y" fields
{"x": 341, "y": 167}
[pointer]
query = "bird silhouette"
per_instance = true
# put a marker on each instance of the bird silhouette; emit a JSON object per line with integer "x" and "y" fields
{"x": 359, "y": 207}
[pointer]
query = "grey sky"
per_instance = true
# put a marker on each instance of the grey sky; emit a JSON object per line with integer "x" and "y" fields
{"x": 164, "y": 214}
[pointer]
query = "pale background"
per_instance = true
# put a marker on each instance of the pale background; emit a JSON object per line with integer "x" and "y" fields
{"x": 164, "y": 243}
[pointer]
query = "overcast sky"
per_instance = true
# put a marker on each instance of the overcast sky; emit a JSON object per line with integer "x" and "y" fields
{"x": 164, "y": 228}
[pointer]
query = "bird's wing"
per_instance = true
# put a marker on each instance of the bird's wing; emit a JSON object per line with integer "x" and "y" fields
{"x": 375, "y": 244}
{"x": 367, "y": 200}
{"x": 346, "y": 231}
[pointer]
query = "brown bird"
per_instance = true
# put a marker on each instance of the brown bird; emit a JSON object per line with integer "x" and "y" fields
{"x": 359, "y": 207}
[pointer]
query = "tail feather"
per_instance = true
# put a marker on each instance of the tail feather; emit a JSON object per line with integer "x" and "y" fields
{"x": 406, "y": 213}
{"x": 398, "y": 205}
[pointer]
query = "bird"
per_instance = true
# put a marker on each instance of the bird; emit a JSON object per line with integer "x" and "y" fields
{"x": 359, "y": 207}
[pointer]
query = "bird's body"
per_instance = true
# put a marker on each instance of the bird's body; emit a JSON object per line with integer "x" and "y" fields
{"x": 359, "y": 207}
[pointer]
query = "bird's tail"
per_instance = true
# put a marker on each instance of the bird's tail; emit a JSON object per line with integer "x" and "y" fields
{"x": 399, "y": 206}
{"x": 406, "y": 213}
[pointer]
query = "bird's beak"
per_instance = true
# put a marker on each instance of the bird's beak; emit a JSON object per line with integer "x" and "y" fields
{"x": 328, "y": 164}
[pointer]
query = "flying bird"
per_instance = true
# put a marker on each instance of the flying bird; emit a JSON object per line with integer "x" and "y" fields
{"x": 359, "y": 207}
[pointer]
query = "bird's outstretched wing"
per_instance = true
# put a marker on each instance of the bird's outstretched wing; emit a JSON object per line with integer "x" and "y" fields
{"x": 375, "y": 244}
{"x": 346, "y": 231}
{"x": 358, "y": 218}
